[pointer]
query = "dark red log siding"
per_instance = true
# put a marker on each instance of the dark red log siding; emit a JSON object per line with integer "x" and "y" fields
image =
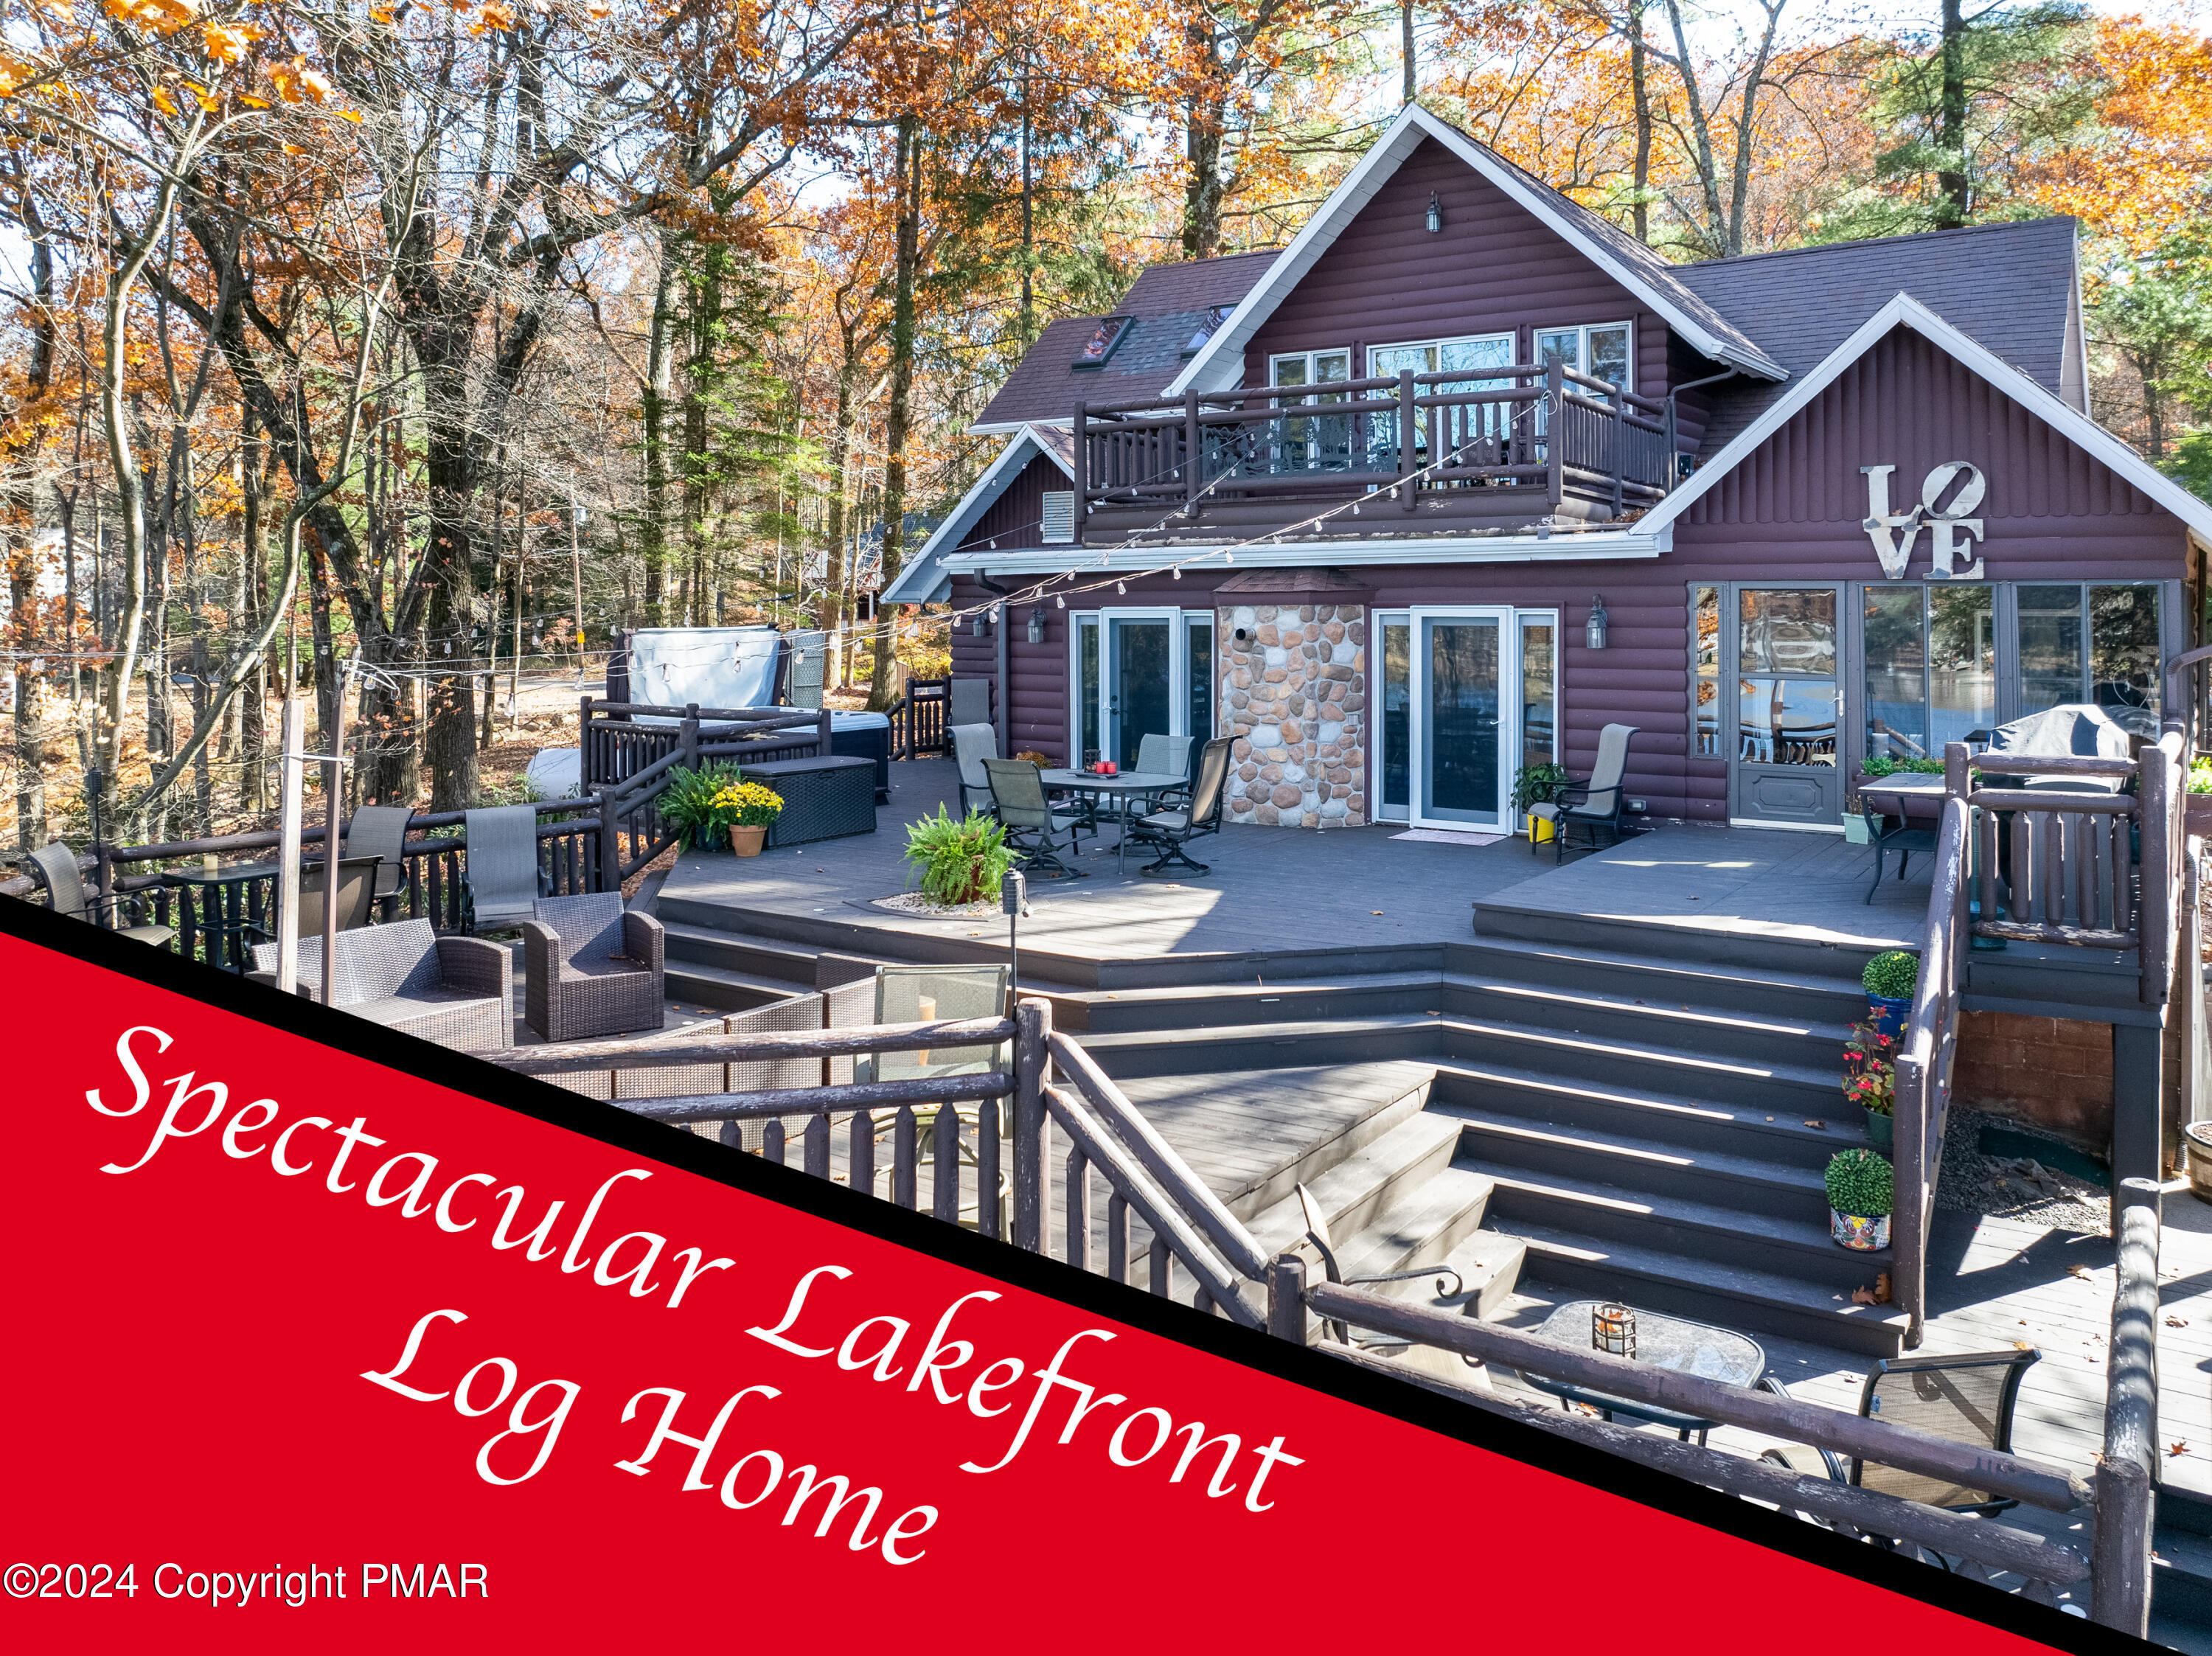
{"x": 1791, "y": 513}
{"x": 1016, "y": 519}
{"x": 1494, "y": 266}
{"x": 1037, "y": 672}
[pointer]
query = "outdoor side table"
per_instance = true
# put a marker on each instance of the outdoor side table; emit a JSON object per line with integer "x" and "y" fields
{"x": 223, "y": 905}
{"x": 822, "y": 799}
{"x": 1121, "y": 789}
{"x": 1674, "y": 1343}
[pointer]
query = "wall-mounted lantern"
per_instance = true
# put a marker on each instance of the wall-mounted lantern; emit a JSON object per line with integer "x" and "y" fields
{"x": 1036, "y": 624}
{"x": 1594, "y": 633}
{"x": 1436, "y": 214}
{"x": 979, "y": 628}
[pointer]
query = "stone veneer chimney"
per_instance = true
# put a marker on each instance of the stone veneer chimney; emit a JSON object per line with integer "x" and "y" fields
{"x": 1294, "y": 697}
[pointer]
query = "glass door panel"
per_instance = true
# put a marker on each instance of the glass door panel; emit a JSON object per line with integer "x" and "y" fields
{"x": 1140, "y": 691}
{"x": 1461, "y": 702}
{"x": 1789, "y": 706}
{"x": 2049, "y": 648}
{"x": 1198, "y": 676}
{"x": 1394, "y": 799}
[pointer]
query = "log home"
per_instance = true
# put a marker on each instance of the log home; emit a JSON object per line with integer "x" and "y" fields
{"x": 1465, "y": 473}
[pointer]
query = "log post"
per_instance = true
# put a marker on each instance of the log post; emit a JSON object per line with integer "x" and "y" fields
{"x": 1408, "y": 432}
{"x": 1032, "y": 1036}
{"x": 687, "y": 739}
{"x": 610, "y": 856}
{"x": 2125, "y": 1478}
{"x": 1194, "y": 455}
{"x": 1286, "y": 1298}
{"x": 1082, "y": 478}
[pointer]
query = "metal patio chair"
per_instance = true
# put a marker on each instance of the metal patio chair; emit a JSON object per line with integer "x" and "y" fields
{"x": 592, "y": 968}
{"x": 1033, "y": 827}
{"x": 924, "y": 994}
{"x": 501, "y": 881}
{"x": 381, "y": 831}
{"x": 1449, "y": 1280}
{"x": 357, "y": 881}
{"x": 1166, "y": 752}
{"x": 1905, "y": 839}
{"x": 971, "y": 745}
{"x": 1172, "y": 831}
{"x": 1594, "y": 805}
{"x": 58, "y": 870}
{"x": 1968, "y": 1399}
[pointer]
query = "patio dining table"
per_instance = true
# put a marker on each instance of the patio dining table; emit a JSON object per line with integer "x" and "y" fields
{"x": 1121, "y": 789}
{"x": 224, "y": 915}
{"x": 1674, "y": 1343}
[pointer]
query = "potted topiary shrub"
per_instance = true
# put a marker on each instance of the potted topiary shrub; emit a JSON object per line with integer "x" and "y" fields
{"x": 1889, "y": 979}
{"x": 688, "y": 805}
{"x": 1861, "y": 1189}
{"x": 1539, "y": 785}
{"x": 747, "y": 810}
{"x": 961, "y": 860}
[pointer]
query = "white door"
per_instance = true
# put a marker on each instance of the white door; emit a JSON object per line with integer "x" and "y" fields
{"x": 1464, "y": 717}
{"x": 1132, "y": 679}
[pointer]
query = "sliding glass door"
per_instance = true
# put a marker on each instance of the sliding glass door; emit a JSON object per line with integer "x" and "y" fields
{"x": 1466, "y": 696}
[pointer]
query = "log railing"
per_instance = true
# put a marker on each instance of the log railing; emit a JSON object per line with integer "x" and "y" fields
{"x": 1923, "y": 1071}
{"x": 919, "y": 720}
{"x": 617, "y": 748}
{"x": 1992, "y": 1547}
{"x": 1542, "y": 426}
{"x": 2126, "y": 1477}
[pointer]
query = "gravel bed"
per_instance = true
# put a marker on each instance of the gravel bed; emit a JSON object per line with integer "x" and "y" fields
{"x": 2015, "y": 1186}
{"x": 912, "y": 902}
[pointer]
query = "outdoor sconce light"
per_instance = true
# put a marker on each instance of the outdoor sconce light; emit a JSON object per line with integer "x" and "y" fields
{"x": 1436, "y": 214}
{"x": 1036, "y": 624}
{"x": 1594, "y": 633}
{"x": 979, "y": 628}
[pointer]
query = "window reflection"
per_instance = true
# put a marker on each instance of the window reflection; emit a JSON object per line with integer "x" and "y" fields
{"x": 1787, "y": 630}
{"x": 1930, "y": 667}
{"x": 1537, "y": 741}
{"x": 1787, "y": 721}
{"x": 1706, "y": 624}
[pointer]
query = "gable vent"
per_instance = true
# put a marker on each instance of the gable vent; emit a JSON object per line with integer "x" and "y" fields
{"x": 1059, "y": 516}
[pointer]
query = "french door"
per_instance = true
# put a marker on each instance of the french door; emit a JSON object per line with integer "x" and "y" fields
{"x": 1783, "y": 673}
{"x": 1140, "y": 673}
{"x": 1468, "y": 695}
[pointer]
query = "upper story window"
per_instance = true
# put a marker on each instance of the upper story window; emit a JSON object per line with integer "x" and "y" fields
{"x": 1309, "y": 367}
{"x": 1601, "y": 350}
{"x": 1494, "y": 350}
{"x": 1302, "y": 443}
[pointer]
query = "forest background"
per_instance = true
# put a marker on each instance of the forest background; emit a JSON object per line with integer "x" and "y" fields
{"x": 391, "y": 351}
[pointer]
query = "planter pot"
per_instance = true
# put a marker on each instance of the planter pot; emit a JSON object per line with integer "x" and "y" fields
{"x": 1887, "y": 1013}
{"x": 747, "y": 841}
{"x": 1881, "y": 1133}
{"x": 706, "y": 839}
{"x": 2196, "y": 1140}
{"x": 1859, "y": 1231}
{"x": 1854, "y": 829}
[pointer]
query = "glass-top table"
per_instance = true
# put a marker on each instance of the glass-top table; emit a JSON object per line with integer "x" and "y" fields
{"x": 1121, "y": 789}
{"x": 1674, "y": 1343}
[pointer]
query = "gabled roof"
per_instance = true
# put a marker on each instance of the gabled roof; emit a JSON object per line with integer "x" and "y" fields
{"x": 1636, "y": 267}
{"x": 1168, "y": 304}
{"x": 2009, "y": 286}
{"x": 921, "y": 578}
{"x": 1904, "y": 311}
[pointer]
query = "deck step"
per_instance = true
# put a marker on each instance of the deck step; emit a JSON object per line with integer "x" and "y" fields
{"x": 1777, "y": 1086}
{"x": 1360, "y": 1191}
{"x": 754, "y": 956}
{"x": 1755, "y": 948}
{"x": 1710, "y": 1176}
{"x": 1440, "y": 1224}
{"x": 1817, "y": 998}
{"x": 2181, "y": 1576}
{"x": 726, "y": 990}
{"x": 1595, "y": 1006}
{"x": 1758, "y": 1130}
{"x": 1296, "y": 1043}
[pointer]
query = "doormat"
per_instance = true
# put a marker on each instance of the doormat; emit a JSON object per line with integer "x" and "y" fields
{"x": 1446, "y": 837}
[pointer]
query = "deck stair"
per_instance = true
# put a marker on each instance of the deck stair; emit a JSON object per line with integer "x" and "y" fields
{"x": 1612, "y": 1108}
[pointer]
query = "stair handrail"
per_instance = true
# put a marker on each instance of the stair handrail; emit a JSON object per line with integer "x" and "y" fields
{"x": 2125, "y": 1480}
{"x": 1219, "y": 1285}
{"x": 1192, "y": 1195}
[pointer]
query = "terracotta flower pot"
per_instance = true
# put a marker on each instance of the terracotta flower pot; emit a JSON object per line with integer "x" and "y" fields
{"x": 748, "y": 841}
{"x": 1859, "y": 1231}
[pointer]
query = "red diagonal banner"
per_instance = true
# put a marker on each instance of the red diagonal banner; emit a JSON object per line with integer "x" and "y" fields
{"x": 325, "y": 1340}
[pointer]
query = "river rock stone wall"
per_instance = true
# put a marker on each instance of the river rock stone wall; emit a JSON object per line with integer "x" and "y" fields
{"x": 1294, "y": 697}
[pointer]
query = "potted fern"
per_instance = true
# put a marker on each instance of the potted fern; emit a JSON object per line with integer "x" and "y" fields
{"x": 747, "y": 810}
{"x": 688, "y": 805}
{"x": 961, "y": 860}
{"x": 1889, "y": 979}
{"x": 1862, "y": 1191}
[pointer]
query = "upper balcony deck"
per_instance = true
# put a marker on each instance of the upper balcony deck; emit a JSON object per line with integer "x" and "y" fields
{"x": 1412, "y": 453}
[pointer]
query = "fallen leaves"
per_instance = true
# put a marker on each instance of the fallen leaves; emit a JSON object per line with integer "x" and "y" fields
{"x": 2083, "y": 1272}
{"x": 1878, "y": 1295}
{"x": 1814, "y": 1121}
{"x": 2171, "y": 1322}
{"x": 2180, "y": 1448}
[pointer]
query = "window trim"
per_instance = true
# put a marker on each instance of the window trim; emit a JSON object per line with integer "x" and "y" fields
{"x": 1275, "y": 359}
{"x": 1583, "y": 330}
{"x": 1511, "y": 337}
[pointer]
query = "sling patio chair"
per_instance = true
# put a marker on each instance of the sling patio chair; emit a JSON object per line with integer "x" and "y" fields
{"x": 501, "y": 882}
{"x": 1172, "y": 831}
{"x": 1594, "y": 805}
{"x": 357, "y": 881}
{"x": 971, "y": 745}
{"x": 1033, "y": 827}
{"x": 1968, "y": 1399}
{"x": 381, "y": 831}
{"x": 58, "y": 869}
{"x": 592, "y": 968}
{"x": 1165, "y": 752}
{"x": 457, "y": 991}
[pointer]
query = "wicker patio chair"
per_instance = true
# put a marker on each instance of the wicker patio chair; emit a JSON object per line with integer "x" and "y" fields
{"x": 1033, "y": 827}
{"x": 1594, "y": 805}
{"x": 1171, "y": 831}
{"x": 501, "y": 881}
{"x": 457, "y": 991}
{"x": 592, "y": 968}
{"x": 1967, "y": 1399}
{"x": 58, "y": 869}
{"x": 381, "y": 831}
{"x": 971, "y": 745}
